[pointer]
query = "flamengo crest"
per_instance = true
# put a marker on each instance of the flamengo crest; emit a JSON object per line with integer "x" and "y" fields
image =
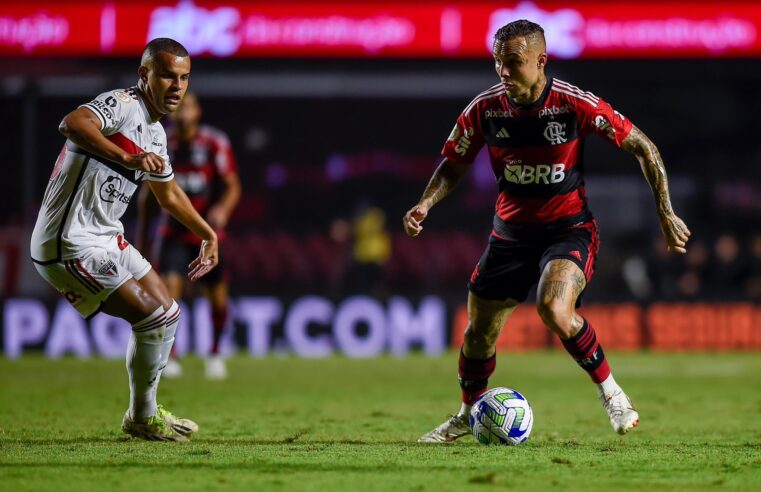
{"x": 555, "y": 133}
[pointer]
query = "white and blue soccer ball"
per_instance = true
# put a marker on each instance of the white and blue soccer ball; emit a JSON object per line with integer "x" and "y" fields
{"x": 501, "y": 416}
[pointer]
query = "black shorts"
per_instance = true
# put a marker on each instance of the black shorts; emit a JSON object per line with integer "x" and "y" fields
{"x": 509, "y": 268}
{"x": 175, "y": 256}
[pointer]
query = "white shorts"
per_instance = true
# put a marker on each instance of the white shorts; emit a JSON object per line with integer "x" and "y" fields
{"x": 87, "y": 278}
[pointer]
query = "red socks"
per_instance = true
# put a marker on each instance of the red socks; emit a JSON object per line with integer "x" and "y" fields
{"x": 474, "y": 376}
{"x": 588, "y": 354}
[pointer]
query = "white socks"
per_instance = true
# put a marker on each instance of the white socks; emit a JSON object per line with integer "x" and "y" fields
{"x": 465, "y": 410}
{"x": 608, "y": 387}
{"x": 172, "y": 320}
{"x": 143, "y": 363}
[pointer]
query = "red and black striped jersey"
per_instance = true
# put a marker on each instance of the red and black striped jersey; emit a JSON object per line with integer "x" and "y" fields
{"x": 199, "y": 166}
{"x": 535, "y": 150}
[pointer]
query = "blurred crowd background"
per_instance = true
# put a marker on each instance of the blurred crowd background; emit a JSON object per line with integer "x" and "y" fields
{"x": 333, "y": 151}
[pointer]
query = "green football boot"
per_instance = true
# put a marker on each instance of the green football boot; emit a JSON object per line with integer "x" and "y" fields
{"x": 154, "y": 428}
{"x": 180, "y": 425}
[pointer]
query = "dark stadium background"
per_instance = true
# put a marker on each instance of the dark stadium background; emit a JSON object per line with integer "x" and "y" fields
{"x": 320, "y": 141}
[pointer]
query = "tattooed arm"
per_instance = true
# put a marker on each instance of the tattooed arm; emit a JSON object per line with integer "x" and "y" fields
{"x": 674, "y": 229}
{"x": 444, "y": 179}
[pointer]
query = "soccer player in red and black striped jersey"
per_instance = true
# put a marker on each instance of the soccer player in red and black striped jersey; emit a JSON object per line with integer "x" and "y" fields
{"x": 534, "y": 128}
{"x": 204, "y": 166}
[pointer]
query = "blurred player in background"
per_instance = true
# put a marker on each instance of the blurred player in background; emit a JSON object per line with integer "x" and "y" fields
{"x": 543, "y": 230}
{"x": 113, "y": 143}
{"x": 205, "y": 168}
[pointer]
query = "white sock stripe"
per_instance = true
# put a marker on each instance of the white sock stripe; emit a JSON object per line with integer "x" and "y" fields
{"x": 173, "y": 313}
{"x": 156, "y": 324}
{"x": 151, "y": 320}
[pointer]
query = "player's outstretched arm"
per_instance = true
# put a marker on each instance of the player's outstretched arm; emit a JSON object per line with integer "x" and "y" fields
{"x": 674, "y": 229}
{"x": 444, "y": 179}
{"x": 172, "y": 199}
{"x": 82, "y": 127}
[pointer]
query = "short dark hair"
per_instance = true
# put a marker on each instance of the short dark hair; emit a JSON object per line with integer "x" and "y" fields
{"x": 517, "y": 28}
{"x": 165, "y": 45}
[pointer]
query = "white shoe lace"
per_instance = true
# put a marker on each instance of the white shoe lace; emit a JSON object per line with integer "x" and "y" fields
{"x": 617, "y": 403}
{"x": 622, "y": 414}
{"x": 455, "y": 426}
{"x": 455, "y": 420}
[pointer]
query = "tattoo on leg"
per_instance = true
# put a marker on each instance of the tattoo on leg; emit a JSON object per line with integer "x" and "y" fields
{"x": 559, "y": 267}
{"x": 554, "y": 289}
{"x": 578, "y": 284}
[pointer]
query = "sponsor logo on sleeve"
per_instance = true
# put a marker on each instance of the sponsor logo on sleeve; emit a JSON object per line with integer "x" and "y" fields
{"x": 456, "y": 133}
{"x": 463, "y": 144}
{"x": 602, "y": 124}
{"x": 103, "y": 108}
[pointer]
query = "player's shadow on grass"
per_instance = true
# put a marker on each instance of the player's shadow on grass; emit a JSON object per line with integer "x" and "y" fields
{"x": 253, "y": 464}
{"x": 231, "y": 441}
{"x": 604, "y": 445}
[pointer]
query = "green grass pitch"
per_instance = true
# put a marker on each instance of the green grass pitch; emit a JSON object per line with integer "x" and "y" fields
{"x": 341, "y": 424}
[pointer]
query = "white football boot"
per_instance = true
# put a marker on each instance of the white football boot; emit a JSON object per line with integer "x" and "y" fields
{"x": 173, "y": 369}
{"x": 454, "y": 428}
{"x": 623, "y": 416}
{"x": 216, "y": 368}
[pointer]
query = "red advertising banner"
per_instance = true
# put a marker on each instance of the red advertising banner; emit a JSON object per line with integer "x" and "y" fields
{"x": 664, "y": 327}
{"x": 583, "y": 29}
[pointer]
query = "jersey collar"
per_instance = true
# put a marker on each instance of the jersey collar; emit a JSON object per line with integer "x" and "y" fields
{"x": 539, "y": 102}
{"x": 143, "y": 107}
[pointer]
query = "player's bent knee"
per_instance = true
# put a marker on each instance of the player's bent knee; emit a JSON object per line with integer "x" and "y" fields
{"x": 558, "y": 317}
{"x": 152, "y": 326}
{"x": 131, "y": 302}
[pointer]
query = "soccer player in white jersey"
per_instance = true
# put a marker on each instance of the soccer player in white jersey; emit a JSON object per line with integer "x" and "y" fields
{"x": 112, "y": 144}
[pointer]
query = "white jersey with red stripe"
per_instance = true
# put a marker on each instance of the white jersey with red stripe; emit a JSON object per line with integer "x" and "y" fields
{"x": 87, "y": 195}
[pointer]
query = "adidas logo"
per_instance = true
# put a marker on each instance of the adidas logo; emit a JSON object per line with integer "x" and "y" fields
{"x": 503, "y": 133}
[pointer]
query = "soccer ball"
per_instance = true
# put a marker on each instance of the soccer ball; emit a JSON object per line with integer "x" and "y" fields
{"x": 501, "y": 416}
